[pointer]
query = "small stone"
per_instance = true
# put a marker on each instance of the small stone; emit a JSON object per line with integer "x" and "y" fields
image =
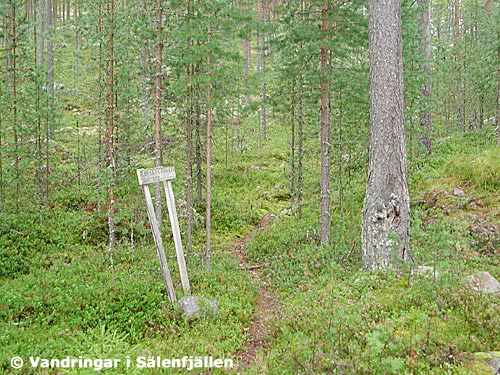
{"x": 483, "y": 282}
{"x": 458, "y": 192}
{"x": 195, "y": 307}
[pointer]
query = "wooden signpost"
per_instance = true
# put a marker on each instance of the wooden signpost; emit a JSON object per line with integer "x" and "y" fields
{"x": 164, "y": 175}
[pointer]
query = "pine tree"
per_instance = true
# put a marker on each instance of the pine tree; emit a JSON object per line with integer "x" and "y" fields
{"x": 425, "y": 67}
{"x": 110, "y": 137}
{"x": 385, "y": 227}
{"x": 325, "y": 133}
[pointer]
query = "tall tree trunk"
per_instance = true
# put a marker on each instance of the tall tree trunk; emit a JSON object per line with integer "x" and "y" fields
{"x": 68, "y": 11}
{"x": 262, "y": 71}
{"x": 40, "y": 20}
{"x": 11, "y": 51}
{"x": 497, "y": 109}
{"x": 49, "y": 17}
{"x": 2, "y": 188}
{"x": 76, "y": 63}
{"x": 39, "y": 31}
{"x": 189, "y": 140}
{"x": 158, "y": 89}
{"x": 487, "y": 5}
{"x": 110, "y": 139}
{"x": 385, "y": 225}
{"x": 198, "y": 153}
{"x": 247, "y": 59}
{"x": 209, "y": 156}
{"x": 300, "y": 157}
{"x": 324, "y": 133}
{"x": 425, "y": 67}
{"x": 460, "y": 108}
{"x": 53, "y": 13}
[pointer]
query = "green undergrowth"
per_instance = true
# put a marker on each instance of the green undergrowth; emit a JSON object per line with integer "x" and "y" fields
{"x": 57, "y": 293}
{"x": 336, "y": 319}
{"x": 58, "y": 297}
{"x": 74, "y": 308}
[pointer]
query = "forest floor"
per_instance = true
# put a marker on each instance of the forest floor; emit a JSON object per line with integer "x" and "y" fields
{"x": 287, "y": 304}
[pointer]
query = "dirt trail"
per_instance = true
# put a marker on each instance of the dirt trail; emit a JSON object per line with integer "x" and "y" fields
{"x": 266, "y": 305}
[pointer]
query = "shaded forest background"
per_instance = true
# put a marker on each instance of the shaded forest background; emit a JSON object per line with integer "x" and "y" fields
{"x": 265, "y": 62}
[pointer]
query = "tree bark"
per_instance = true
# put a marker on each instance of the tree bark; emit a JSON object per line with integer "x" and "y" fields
{"x": 49, "y": 18}
{"x": 385, "y": 225}
{"x": 262, "y": 71}
{"x": 300, "y": 157}
{"x": 68, "y": 11}
{"x": 40, "y": 20}
{"x": 325, "y": 134}
{"x": 247, "y": 58}
{"x": 425, "y": 68}
{"x": 460, "y": 108}
{"x": 12, "y": 43}
{"x": 158, "y": 89}
{"x": 110, "y": 140}
{"x": 209, "y": 157}
{"x": 189, "y": 141}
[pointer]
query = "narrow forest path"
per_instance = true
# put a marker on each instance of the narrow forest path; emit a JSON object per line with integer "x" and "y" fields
{"x": 267, "y": 302}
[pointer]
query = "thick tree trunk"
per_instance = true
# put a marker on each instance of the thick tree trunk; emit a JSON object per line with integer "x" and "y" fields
{"x": 425, "y": 68}
{"x": 324, "y": 134}
{"x": 385, "y": 226}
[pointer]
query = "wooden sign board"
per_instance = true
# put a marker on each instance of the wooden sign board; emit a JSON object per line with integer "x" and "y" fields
{"x": 158, "y": 174}
{"x": 164, "y": 175}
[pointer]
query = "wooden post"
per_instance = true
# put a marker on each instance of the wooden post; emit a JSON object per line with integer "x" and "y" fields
{"x": 165, "y": 175}
{"x": 174, "y": 222}
{"x": 159, "y": 243}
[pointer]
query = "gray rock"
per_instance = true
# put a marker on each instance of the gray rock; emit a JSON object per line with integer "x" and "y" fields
{"x": 195, "y": 307}
{"x": 483, "y": 282}
{"x": 458, "y": 192}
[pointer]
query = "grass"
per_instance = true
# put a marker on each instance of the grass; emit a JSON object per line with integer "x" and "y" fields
{"x": 58, "y": 299}
{"x": 340, "y": 320}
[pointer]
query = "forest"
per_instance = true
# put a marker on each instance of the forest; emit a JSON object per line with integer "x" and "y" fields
{"x": 337, "y": 186}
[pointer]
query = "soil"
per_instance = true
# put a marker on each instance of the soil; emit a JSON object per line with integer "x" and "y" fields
{"x": 266, "y": 304}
